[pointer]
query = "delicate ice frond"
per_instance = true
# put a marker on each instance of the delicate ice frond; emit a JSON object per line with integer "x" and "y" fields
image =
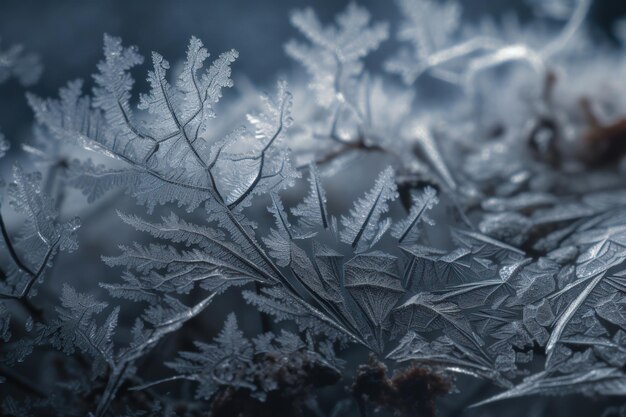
{"x": 4, "y": 145}
{"x": 240, "y": 232}
{"x": 174, "y": 229}
{"x": 161, "y": 268}
{"x": 96, "y": 180}
{"x": 166, "y": 155}
{"x": 335, "y": 53}
{"x": 113, "y": 87}
{"x": 281, "y": 306}
{"x": 429, "y": 26}
{"x": 164, "y": 318}
{"x": 182, "y": 111}
{"x": 222, "y": 361}
{"x": 312, "y": 212}
{"x": 319, "y": 275}
{"x": 272, "y": 169}
{"x": 365, "y": 225}
{"x": 234, "y": 362}
{"x": 351, "y": 39}
{"x": 41, "y": 238}
{"x": 76, "y": 327}
{"x": 422, "y": 202}
{"x": 14, "y": 62}
{"x": 285, "y": 342}
{"x": 148, "y": 188}
{"x": 279, "y": 239}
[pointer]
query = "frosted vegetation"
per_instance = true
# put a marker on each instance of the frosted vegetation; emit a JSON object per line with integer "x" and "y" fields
{"x": 488, "y": 242}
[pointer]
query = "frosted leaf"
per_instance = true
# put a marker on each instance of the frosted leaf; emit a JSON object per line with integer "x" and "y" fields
{"x": 372, "y": 280}
{"x": 431, "y": 268}
{"x": 537, "y": 317}
{"x": 603, "y": 249}
{"x": 564, "y": 255}
{"x": 218, "y": 265}
{"x": 285, "y": 343}
{"x": 485, "y": 246}
{"x": 423, "y": 312}
{"x": 493, "y": 292}
{"x": 304, "y": 269}
{"x": 611, "y": 309}
{"x": 563, "y": 212}
{"x": 536, "y": 281}
{"x": 149, "y": 189}
{"x": 420, "y": 268}
{"x": 585, "y": 292}
{"x": 508, "y": 227}
{"x": 209, "y": 85}
{"x": 364, "y": 223}
{"x": 518, "y": 202}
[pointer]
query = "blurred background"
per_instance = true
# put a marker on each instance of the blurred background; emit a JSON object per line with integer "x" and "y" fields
{"x": 67, "y": 35}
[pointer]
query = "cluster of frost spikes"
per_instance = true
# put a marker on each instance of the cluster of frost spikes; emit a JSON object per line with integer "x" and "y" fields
{"x": 520, "y": 282}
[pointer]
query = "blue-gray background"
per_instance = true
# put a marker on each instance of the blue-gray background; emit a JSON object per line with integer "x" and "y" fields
{"x": 68, "y": 35}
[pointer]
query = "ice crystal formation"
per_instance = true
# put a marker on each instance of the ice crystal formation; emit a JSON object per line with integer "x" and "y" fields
{"x": 350, "y": 215}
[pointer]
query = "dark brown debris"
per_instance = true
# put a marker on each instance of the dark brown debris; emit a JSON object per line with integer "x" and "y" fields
{"x": 410, "y": 392}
